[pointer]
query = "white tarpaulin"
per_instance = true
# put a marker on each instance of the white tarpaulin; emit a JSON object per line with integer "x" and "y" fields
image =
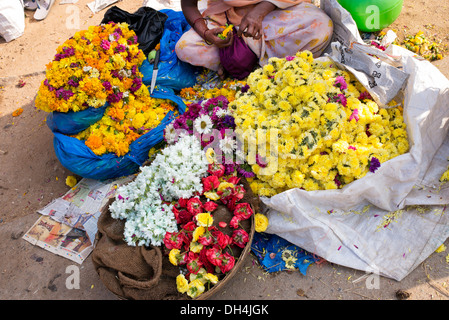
{"x": 391, "y": 220}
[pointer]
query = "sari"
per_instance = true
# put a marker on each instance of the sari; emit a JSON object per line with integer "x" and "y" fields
{"x": 295, "y": 25}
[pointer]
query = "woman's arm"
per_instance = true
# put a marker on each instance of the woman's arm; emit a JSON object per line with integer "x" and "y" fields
{"x": 251, "y": 24}
{"x": 196, "y": 20}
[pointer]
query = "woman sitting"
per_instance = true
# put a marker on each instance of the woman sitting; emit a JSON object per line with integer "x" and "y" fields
{"x": 270, "y": 28}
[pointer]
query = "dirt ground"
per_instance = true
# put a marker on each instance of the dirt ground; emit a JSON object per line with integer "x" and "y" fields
{"x": 31, "y": 176}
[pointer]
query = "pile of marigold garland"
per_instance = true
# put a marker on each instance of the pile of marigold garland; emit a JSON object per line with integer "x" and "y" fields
{"x": 306, "y": 124}
{"x": 100, "y": 66}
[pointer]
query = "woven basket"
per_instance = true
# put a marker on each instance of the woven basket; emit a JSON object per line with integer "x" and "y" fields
{"x": 155, "y": 280}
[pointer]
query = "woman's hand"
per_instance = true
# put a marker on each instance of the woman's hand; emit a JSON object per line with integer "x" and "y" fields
{"x": 251, "y": 24}
{"x": 211, "y": 36}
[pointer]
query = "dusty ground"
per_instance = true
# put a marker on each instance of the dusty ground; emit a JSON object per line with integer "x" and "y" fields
{"x": 31, "y": 176}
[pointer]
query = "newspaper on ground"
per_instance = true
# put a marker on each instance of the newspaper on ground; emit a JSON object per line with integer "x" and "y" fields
{"x": 68, "y": 225}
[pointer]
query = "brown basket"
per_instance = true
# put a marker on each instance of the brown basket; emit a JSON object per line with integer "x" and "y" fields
{"x": 139, "y": 273}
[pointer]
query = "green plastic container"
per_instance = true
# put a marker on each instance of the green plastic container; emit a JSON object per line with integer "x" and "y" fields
{"x": 373, "y": 15}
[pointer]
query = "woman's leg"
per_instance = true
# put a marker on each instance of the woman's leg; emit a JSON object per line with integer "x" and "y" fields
{"x": 298, "y": 28}
{"x": 192, "y": 48}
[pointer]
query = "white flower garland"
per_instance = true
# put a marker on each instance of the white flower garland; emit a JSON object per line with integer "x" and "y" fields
{"x": 175, "y": 173}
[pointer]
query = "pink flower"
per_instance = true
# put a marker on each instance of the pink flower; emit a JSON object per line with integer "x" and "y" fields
{"x": 173, "y": 240}
{"x": 227, "y": 262}
{"x": 210, "y": 206}
{"x": 243, "y": 211}
{"x": 289, "y": 58}
{"x": 216, "y": 169}
{"x": 240, "y": 238}
{"x": 193, "y": 262}
{"x": 234, "y": 223}
{"x": 340, "y": 83}
{"x": 210, "y": 183}
{"x": 223, "y": 240}
{"x": 214, "y": 255}
{"x": 194, "y": 206}
{"x": 354, "y": 115}
{"x": 105, "y": 45}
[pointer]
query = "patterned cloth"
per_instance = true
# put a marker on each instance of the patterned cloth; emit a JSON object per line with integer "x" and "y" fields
{"x": 295, "y": 25}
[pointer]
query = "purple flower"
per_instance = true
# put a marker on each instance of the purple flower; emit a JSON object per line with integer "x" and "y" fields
{"x": 132, "y": 40}
{"x": 64, "y": 94}
{"x": 107, "y": 86}
{"x": 245, "y": 173}
{"x": 228, "y": 121}
{"x": 374, "y": 164}
{"x": 245, "y": 88}
{"x": 337, "y": 180}
{"x": 115, "y": 97}
{"x": 73, "y": 83}
{"x": 137, "y": 83}
{"x": 340, "y": 83}
{"x": 260, "y": 161}
{"x": 120, "y": 48}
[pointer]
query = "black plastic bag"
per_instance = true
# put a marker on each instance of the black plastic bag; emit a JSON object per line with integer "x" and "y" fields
{"x": 147, "y": 23}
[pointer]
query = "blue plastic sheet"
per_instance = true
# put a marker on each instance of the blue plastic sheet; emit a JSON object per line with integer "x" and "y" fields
{"x": 270, "y": 248}
{"x": 173, "y": 73}
{"x": 75, "y": 156}
{"x": 74, "y": 122}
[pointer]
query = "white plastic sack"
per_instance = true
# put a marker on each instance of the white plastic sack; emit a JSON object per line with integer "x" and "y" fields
{"x": 389, "y": 221}
{"x": 12, "y": 19}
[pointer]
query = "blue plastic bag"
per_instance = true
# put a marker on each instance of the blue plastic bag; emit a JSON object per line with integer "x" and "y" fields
{"x": 173, "y": 73}
{"x": 78, "y": 158}
{"x": 74, "y": 122}
{"x": 269, "y": 249}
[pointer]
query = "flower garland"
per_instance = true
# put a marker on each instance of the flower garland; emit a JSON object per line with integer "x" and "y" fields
{"x": 145, "y": 203}
{"x": 200, "y": 247}
{"x": 228, "y": 88}
{"x": 95, "y": 66}
{"x": 319, "y": 127}
{"x": 120, "y": 126}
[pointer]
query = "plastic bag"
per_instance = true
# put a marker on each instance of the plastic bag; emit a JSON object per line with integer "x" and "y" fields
{"x": 238, "y": 59}
{"x": 74, "y": 122}
{"x": 147, "y": 23}
{"x": 12, "y": 20}
{"x": 389, "y": 222}
{"x": 173, "y": 73}
{"x": 75, "y": 156}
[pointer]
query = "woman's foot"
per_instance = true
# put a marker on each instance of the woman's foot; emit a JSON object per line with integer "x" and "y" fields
{"x": 221, "y": 72}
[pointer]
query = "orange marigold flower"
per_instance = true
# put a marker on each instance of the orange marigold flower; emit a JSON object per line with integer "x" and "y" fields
{"x": 17, "y": 112}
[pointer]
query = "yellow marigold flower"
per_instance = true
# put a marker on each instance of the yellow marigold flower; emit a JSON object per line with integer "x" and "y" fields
{"x": 223, "y": 185}
{"x": 195, "y": 288}
{"x": 195, "y": 247}
{"x": 173, "y": 256}
{"x": 212, "y": 195}
{"x": 71, "y": 181}
{"x": 182, "y": 284}
{"x": 210, "y": 155}
{"x": 199, "y": 231}
{"x": 204, "y": 219}
{"x": 261, "y": 222}
{"x": 441, "y": 248}
{"x": 212, "y": 278}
